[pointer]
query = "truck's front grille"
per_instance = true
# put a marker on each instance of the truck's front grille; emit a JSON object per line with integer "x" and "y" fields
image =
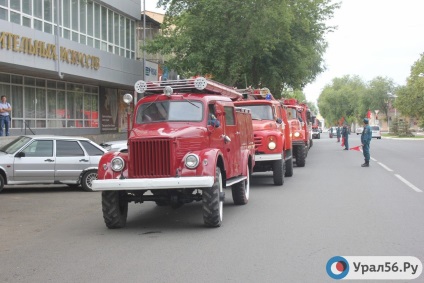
{"x": 150, "y": 158}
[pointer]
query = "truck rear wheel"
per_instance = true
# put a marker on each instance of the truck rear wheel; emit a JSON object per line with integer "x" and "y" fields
{"x": 241, "y": 190}
{"x": 300, "y": 155}
{"x": 278, "y": 172}
{"x": 212, "y": 202}
{"x": 115, "y": 209}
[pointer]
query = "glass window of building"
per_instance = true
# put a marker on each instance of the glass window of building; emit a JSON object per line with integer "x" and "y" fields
{"x": 48, "y": 10}
{"x": 85, "y": 22}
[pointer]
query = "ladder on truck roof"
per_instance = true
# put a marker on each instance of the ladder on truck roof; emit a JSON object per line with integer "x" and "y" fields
{"x": 199, "y": 83}
{"x": 256, "y": 94}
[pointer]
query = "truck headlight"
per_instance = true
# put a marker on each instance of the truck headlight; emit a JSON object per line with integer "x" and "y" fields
{"x": 117, "y": 164}
{"x": 272, "y": 145}
{"x": 191, "y": 161}
{"x": 296, "y": 134}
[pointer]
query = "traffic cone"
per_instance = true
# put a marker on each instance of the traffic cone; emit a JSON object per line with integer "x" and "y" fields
{"x": 357, "y": 148}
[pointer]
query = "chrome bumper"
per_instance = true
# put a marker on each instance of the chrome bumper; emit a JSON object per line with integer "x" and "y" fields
{"x": 152, "y": 183}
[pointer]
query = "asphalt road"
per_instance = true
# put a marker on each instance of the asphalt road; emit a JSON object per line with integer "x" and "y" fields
{"x": 330, "y": 207}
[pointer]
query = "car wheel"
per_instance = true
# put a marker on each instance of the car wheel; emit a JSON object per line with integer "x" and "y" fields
{"x": 115, "y": 209}
{"x": 241, "y": 190}
{"x": 87, "y": 180}
{"x": 213, "y": 204}
{"x": 1, "y": 182}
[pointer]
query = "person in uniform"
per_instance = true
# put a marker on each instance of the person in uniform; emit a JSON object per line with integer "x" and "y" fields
{"x": 345, "y": 134}
{"x": 366, "y": 137}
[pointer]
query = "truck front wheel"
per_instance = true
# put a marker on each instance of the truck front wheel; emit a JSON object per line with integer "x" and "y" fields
{"x": 115, "y": 209}
{"x": 289, "y": 165}
{"x": 213, "y": 203}
{"x": 278, "y": 172}
{"x": 241, "y": 190}
{"x": 300, "y": 155}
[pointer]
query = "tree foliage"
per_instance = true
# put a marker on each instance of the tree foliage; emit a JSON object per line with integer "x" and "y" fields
{"x": 351, "y": 98}
{"x": 410, "y": 98}
{"x": 259, "y": 42}
{"x": 342, "y": 99}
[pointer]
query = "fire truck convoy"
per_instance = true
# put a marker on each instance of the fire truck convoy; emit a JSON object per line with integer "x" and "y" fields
{"x": 271, "y": 132}
{"x": 187, "y": 143}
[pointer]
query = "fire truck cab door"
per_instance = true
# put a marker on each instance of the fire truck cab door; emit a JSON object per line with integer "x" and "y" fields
{"x": 232, "y": 146}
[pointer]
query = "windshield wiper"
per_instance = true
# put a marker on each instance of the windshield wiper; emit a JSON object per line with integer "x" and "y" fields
{"x": 190, "y": 102}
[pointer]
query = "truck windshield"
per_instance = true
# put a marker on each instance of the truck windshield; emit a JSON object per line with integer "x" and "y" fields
{"x": 184, "y": 111}
{"x": 260, "y": 112}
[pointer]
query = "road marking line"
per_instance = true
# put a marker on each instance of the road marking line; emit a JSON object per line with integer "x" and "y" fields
{"x": 408, "y": 183}
{"x": 373, "y": 159}
{"x": 385, "y": 167}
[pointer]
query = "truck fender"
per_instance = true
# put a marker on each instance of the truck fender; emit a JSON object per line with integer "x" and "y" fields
{"x": 247, "y": 159}
{"x": 209, "y": 159}
{"x": 108, "y": 173}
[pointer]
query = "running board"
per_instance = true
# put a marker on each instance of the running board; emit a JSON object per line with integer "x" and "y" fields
{"x": 235, "y": 180}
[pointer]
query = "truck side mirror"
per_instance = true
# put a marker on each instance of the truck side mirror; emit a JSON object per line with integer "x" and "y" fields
{"x": 279, "y": 121}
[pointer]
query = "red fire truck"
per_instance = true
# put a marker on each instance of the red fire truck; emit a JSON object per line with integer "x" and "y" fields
{"x": 300, "y": 120}
{"x": 188, "y": 142}
{"x": 273, "y": 146}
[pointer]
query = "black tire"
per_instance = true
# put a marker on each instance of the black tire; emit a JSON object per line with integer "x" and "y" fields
{"x": 289, "y": 166}
{"x": 115, "y": 209}
{"x": 241, "y": 190}
{"x": 73, "y": 186}
{"x": 311, "y": 143}
{"x": 300, "y": 156}
{"x": 87, "y": 180}
{"x": 1, "y": 182}
{"x": 161, "y": 203}
{"x": 278, "y": 172}
{"x": 212, "y": 203}
{"x": 319, "y": 136}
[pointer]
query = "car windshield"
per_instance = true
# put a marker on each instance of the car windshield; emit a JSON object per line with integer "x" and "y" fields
{"x": 15, "y": 145}
{"x": 260, "y": 112}
{"x": 182, "y": 111}
{"x": 375, "y": 128}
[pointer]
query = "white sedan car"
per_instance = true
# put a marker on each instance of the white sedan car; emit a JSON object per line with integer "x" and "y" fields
{"x": 50, "y": 159}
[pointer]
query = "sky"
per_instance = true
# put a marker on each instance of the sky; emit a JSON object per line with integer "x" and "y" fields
{"x": 373, "y": 38}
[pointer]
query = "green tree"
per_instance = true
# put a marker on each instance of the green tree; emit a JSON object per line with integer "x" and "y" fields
{"x": 342, "y": 99}
{"x": 377, "y": 94}
{"x": 241, "y": 43}
{"x": 410, "y": 98}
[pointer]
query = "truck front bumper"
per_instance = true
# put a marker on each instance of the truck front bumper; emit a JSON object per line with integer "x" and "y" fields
{"x": 153, "y": 184}
{"x": 268, "y": 157}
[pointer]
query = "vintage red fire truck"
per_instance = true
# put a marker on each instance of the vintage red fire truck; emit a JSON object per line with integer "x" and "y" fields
{"x": 188, "y": 142}
{"x": 300, "y": 120}
{"x": 273, "y": 146}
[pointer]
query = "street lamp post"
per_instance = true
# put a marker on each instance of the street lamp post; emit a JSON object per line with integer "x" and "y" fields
{"x": 390, "y": 96}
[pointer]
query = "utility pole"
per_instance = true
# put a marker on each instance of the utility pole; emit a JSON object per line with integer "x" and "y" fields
{"x": 144, "y": 40}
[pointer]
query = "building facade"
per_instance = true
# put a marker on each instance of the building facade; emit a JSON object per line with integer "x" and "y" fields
{"x": 65, "y": 64}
